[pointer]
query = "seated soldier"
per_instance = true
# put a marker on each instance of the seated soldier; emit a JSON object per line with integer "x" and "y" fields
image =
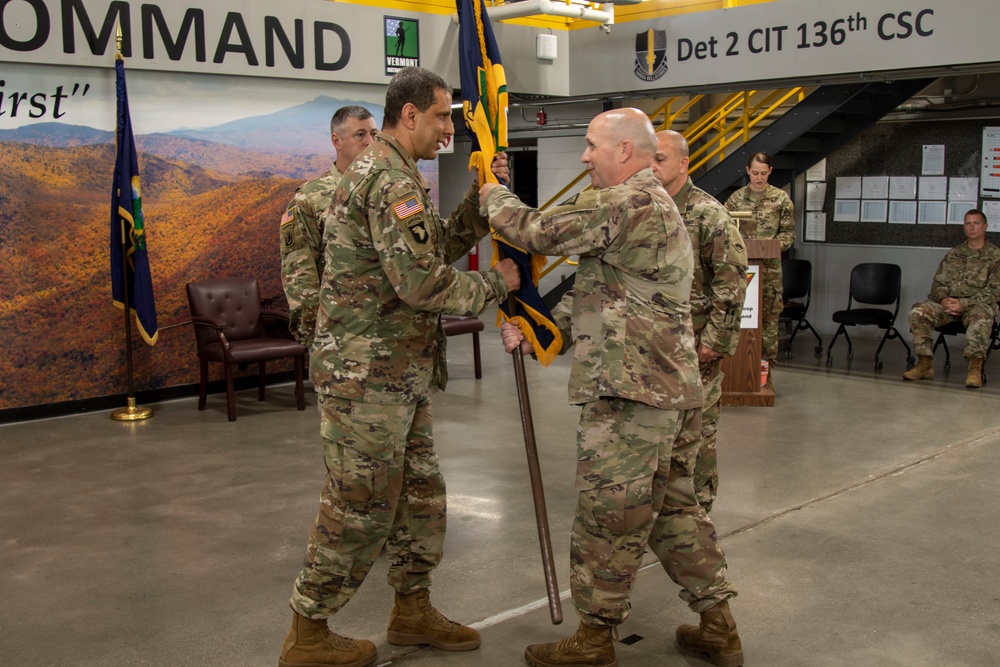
{"x": 965, "y": 288}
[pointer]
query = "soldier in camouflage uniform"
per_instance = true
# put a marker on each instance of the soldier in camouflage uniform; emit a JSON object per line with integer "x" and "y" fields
{"x": 635, "y": 373}
{"x": 352, "y": 129}
{"x": 773, "y": 218}
{"x": 966, "y": 288}
{"x": 717, "y": 292}
{"x": 378, "y": 355}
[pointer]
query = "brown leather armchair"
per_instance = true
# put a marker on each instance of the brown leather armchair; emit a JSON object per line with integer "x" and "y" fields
{"x": 229, "y": 328}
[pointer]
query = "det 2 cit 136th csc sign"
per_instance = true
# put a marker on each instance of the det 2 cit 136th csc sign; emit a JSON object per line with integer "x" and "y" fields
{"x": 651, "y": 46}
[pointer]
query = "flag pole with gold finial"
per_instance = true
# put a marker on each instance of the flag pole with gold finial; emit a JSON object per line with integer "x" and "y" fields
{"x": 132, "y": 412}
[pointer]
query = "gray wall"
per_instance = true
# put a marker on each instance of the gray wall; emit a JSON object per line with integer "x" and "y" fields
{"x": 832, "y": 264}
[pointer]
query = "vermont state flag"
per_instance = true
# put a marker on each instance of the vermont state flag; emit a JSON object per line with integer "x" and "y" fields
{"x": 484, "y": 106}
{"x": 484, "y": 87}
{"x": 126, "y": 219}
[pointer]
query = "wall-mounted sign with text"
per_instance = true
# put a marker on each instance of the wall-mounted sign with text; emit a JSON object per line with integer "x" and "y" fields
{"x": 301, "y": 39}
{"x": 785, "y": 40}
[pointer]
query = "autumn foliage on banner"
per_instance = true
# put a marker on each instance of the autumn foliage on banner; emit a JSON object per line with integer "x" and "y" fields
{"x": 60, "y": 339}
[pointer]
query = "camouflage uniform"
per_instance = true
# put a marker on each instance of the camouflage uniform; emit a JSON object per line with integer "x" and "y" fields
{"x": 378, "y": 355}
{"x": 972, "y": 277}
{"x": 635, "y": 372}
{"x": 717, "y": 292}
{"x": 773, "y": 219}
{"x": 301, "y": 233}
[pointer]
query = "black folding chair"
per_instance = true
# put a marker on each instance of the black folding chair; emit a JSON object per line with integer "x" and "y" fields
{"x": 957, "y": 328}
{"x": 874, "y": 284}
{"x": 796, "y": 283}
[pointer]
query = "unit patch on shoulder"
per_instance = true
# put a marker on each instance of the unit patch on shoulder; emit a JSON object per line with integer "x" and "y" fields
{"x": 407, "y": 208}
{"x": 419, "y": 231}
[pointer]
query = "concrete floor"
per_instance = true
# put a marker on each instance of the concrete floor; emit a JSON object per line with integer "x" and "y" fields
{"x": 857, "y": 517}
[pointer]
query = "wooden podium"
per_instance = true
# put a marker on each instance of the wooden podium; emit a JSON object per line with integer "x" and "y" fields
{"x": 741, "y": 384}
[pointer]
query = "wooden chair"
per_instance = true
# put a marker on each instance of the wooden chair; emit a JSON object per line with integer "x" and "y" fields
{"x": 454, "y": 325}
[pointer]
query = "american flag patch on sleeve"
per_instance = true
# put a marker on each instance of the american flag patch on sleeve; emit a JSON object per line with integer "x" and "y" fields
{"x": 407, "y": 207}
{"x": 288, "y": 216}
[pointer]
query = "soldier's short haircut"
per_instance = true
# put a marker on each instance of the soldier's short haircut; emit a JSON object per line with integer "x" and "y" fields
{"x": 677, "y": 141}
{"x": 343, "y": 113}
{"x": 761, "y": 157}
{"x": 413, "y": 85}
{"x": 976, "y": 211}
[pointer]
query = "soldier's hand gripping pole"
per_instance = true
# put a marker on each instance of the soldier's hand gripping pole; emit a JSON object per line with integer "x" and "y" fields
{"x": 534, "y": 471}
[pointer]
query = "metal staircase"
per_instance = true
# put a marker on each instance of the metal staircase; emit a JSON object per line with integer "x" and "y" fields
{"x": 822, "y": 122}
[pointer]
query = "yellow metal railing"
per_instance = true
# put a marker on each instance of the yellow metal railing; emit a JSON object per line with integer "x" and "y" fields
{"x": 729, "y": 121}
{"x": 749, "y": 108}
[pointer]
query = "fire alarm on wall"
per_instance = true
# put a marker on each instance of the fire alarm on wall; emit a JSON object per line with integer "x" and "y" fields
{"x": 545, "y": 47}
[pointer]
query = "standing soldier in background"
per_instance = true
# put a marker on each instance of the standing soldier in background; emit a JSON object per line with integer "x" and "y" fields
{"x": 377, "y": 357}
{"x": 717, "y": 292}
{"x": 965, "y": 289}
{"x": 635, "y": 374}
{"x": 773, "y": 218}
{"x": 352, "y": 129}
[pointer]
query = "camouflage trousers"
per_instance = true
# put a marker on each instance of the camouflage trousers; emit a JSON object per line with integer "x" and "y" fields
{"x": 978, "y": 321}
{"x": 771, "y": 305}
{"x": 706, "y": 473}
{"x": 383, "y": 488}
{"x": 634, "y": 478}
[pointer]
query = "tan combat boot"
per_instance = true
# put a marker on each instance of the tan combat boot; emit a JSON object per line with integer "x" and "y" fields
{"x": 924, "y": 370}
{"x": 715, "y": 639}
{"x": 975, "y": 377}
{"x": 414, "y": 621}
{"x": 310, "y": 643}
{"x": 591, "y": 646}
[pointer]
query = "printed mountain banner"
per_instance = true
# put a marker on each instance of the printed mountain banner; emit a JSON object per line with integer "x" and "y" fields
{"x": 126, "y": 219}
{"x": 484, "y": 106}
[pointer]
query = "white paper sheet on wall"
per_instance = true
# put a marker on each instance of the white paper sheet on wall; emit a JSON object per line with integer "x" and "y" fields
{"x": 815, "y": 226}
{"x": 933, "y": 162}
{"x": 933, "y": 187}
{"x": 817, "y": 172}
{"x": 848, "y": 187}
{"x": 815, "y": 196}
{"x": 846, "y": 210}
{"x": 932, "y": 212}
{"x": 963, "y": 189}
{"x": 875, "y": 187}
{"x": 902, "y": 187}
{"x": 956, "y": 211}
{"x": 991, "y": 208}
{"x": 874, "y": 210}
{"x": 903, "y": 212}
